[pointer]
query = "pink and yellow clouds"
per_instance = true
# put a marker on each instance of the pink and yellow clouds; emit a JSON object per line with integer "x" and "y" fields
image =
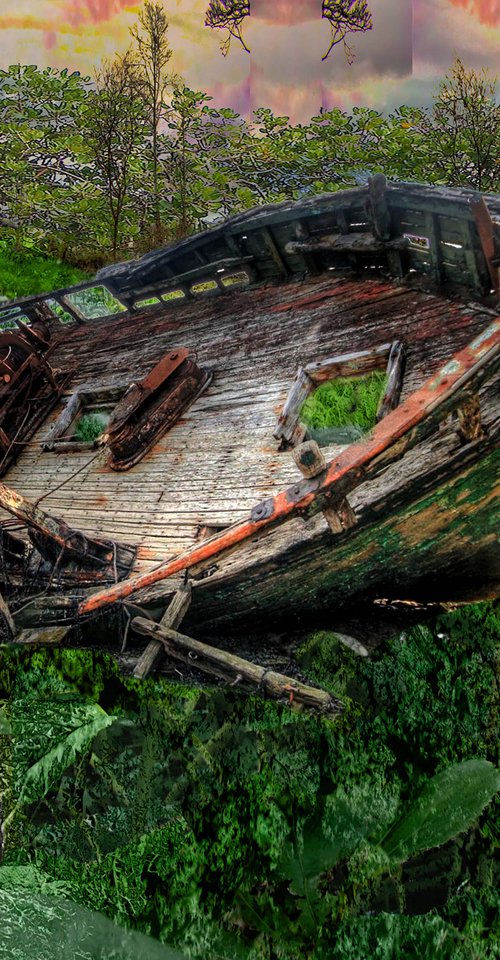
{"x": 486, "y": 11}
{"x": 411, "y": 45}
{"x": 82, "y": 11}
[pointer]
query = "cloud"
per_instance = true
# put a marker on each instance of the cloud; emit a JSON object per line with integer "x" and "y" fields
{"x": 486, "y": 11}
{"x": 95, "y": 11}
{"x": 445, "y": 31}
{"x": 286, "y": 12}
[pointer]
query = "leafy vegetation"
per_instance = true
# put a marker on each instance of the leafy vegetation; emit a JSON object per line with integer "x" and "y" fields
{"x": 92, "y": 171}
{"x": 90, "y": 426}
{"x": 226, "y": 827}
{"x": 346, "y": 402}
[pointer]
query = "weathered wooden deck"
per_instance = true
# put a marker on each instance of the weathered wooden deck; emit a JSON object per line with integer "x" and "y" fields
{"x": 221, "y": 458}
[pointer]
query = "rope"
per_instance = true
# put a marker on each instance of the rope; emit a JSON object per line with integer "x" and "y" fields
{"x": 68, "y": 479}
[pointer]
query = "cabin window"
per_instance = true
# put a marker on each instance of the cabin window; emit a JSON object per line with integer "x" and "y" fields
{"x": 92, "y": 303}
{"x": 58, "y": 310}
{"x": 235, "y": 279}
{"x": 173, "y": 295}
{"x": 149, "y": 302}
{"x": 205, "y": 286}
{"x": 338, "y": 400}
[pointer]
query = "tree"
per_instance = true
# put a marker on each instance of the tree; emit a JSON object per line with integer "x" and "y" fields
{"x": 464, "y": 128}
{"x": 116, "y": 127}
{"x": 344, "y": 17}
{"x": 228, "y": 15}
{"x": 153, "y": 54}
{"x": 41, "y": 184}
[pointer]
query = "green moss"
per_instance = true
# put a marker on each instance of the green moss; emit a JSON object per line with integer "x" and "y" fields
{"x": 345, "y": 402}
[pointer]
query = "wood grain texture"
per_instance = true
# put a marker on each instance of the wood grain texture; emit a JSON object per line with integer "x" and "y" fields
{"x": 172, "y": 618}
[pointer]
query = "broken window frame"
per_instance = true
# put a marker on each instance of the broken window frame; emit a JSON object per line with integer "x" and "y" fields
{"x": 58, "y": 440}
{"x": 290, "y": 430}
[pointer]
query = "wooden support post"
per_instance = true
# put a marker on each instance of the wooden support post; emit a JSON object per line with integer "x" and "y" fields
{"x": 395, "y": 373}
{"x": 226, "y": 665}
{"x": 275, "y": 252}
{"x": 489, "y": 239}
{"x": 309, "y": 459}
{"x": 311, "y": 462}
{"x": 289, "y": 417}
{"x": 340, "y": 516}
{"x": 379, "y": 208}
{"x": 433, "y": 231}
{"x": 172, "y": 619}
{"x": 6, "y": 619}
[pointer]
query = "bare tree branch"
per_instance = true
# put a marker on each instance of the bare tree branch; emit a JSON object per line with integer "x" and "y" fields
{"x": 346, "y": 16}
{"x": 228, "y": 15}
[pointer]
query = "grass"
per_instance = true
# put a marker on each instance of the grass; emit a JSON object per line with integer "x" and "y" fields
{"x": 25, "y": 273}
{"x": 345, "y": 402}
{"x": 90, "y": 426}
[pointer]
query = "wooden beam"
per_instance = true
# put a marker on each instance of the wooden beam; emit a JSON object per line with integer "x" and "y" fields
{"x": 227, "y": 666}
{"x": 7, "y": 619}
{"x": 275, "y": 252}
{"x": 288, "y": 419}
{"x": 346, "y": 243}
{"x": 348, "y": 364}
{"x": 395, "y": 374}
{"x": 172, "y": 618}
{"x": 488, "y": 238}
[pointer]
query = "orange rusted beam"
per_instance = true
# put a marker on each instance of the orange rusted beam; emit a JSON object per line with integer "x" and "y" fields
{"x": 441, "y": 393}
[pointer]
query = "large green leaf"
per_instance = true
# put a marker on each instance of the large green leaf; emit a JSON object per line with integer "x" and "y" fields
{"x": 38, "y": 927}
{"x": 61, "y": 747}
{"x": 447, "y": 806}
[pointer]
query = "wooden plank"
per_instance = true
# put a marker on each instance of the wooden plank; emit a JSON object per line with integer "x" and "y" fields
{"x": 172, "y": 619}
{"x": 288, "y": 419}
{"x": 348, "y": 364}
{"x": 488, "y": 239}
{"x": 226, "y": 665}
{"x": 46, "y": 637}
{"x": 6, "y": 619}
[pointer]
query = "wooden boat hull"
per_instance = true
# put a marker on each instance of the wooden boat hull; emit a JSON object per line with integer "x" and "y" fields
{"x": 411, "y": 504}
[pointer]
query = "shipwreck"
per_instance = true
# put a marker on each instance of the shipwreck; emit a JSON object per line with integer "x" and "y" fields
{"x": 200, "y": 495}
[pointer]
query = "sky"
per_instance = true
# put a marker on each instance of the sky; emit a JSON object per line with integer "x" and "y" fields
{"x": 411, "y": 46}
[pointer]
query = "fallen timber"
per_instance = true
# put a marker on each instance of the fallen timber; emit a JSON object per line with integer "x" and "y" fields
{"x": 227, "y": 666}
{"x": 198, "y": 477}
